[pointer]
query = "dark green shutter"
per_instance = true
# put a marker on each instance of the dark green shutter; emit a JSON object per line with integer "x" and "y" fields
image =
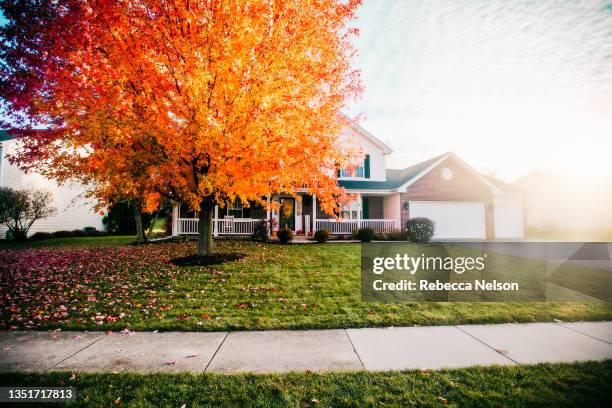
{"x": 366, "y": 166}
{"x": 366, "y": 208}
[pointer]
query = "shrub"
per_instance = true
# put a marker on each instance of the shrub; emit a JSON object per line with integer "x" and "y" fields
{"x": 39, "y": 236}
{"x": 85, "y": 232}
{"x": 381, "y": 236}
{"x": 321, "y": 235}
{"x": 91, "y": 232}
{"x": 96, "y": 233}
{"x": 365, "y": 234}
{"x": 261, "y": 232}
{"x": 62, "y": 234}
{"x": 19, "y": 209}
{"x": 285, "y": 235}
{"x": 394, "y": 235}
{"x": 420, "y": 229}
{"x": 397, "y": 235}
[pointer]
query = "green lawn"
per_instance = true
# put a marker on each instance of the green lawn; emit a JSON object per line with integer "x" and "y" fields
{"x": 69, "y": 242}
{"x": 545, "y": 385}
{"x": 273, "y": 287}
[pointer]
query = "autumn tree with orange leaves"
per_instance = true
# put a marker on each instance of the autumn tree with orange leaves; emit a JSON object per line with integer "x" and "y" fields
{"x": 202, "y": 102}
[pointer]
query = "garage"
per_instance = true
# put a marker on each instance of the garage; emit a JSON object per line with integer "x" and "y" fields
{"x": 509, "y": 220}
{"x": 454, "y": 219}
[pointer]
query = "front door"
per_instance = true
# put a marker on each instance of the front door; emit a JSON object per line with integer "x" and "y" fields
{"x": 286, "y": 213}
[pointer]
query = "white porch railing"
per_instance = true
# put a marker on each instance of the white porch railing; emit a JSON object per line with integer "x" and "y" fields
{"x": 222, "y": 226}
{"x": 339, "y": 227}
{"x": 380, "y": 225}
{"x": 345, "y": 227}
{"x": 246, "y": 226}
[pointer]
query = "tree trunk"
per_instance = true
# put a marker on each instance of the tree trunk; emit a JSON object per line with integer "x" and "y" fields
{"x": 140, "y": 236}
{"x": 205, "y": 229}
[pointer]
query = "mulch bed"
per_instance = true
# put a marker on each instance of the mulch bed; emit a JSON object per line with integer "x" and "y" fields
{"x": 213, "y": 259}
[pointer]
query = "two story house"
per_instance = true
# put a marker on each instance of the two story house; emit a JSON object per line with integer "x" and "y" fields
{"x": 463, "y": 203}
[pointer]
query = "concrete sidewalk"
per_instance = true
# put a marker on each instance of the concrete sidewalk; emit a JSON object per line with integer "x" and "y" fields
{"x": 315, "y": 350}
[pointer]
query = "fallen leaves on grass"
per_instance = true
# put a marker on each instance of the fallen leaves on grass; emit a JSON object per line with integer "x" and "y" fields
{"x": 83, "y": 286}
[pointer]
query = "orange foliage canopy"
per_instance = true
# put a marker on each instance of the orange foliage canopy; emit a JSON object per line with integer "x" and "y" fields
{"x": 190, "y": 100}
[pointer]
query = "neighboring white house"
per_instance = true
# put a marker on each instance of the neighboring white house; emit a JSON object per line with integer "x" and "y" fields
{"x": 73, "y": 210}
{"x": 463, "y": 203}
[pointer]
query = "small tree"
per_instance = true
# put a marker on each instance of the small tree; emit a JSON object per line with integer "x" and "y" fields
{"x": 124, "y": 217}
{"x": 19, "y": 209}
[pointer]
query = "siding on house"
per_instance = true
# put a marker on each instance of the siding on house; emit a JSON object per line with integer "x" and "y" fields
{"x": 377, "y": 157}
{"x": 73, "y": 210}
{"x": 463, "y": 186}
{"x": 9, "y": 175}
{"x": 391, "y": 209}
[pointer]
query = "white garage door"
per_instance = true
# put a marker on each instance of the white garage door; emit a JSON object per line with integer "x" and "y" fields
{"x": 508, "y": 221}
{"x": 454, "y": 219}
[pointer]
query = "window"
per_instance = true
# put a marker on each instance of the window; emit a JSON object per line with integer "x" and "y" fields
{"x": 352, "y": 172}
{"x": 185, "y": 212}
{"x": 362, "y": 171}
{"x": 235, "y": 209}
{"x": 351, "y": 211}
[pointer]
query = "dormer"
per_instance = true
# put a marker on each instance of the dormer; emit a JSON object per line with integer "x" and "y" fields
{"x": 372, "y": 165}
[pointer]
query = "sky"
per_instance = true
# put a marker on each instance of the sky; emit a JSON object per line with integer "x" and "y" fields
{"x": 510, "y": 86}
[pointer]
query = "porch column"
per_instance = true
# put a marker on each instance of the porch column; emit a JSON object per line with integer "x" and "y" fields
{"x": 314, "y": 213}
{"x": 175, "y": 222}
{"x": 359, "y": 211}
{"x": 216, "y": 222}
{"x": 268, "y": 210}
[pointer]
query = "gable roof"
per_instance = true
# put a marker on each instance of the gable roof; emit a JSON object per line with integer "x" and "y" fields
{"x": 386, "y": 149}
{"x": 400, "y": 179}
{"x": 505, "y": 187}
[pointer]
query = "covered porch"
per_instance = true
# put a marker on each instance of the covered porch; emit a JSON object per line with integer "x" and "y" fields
{"x": 234, "y": 219}
{"x": 303, "y": 215}
{"x": 377, "y": 211}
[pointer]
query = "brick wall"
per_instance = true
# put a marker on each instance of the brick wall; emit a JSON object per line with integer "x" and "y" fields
{"x": 463, "y": 186}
